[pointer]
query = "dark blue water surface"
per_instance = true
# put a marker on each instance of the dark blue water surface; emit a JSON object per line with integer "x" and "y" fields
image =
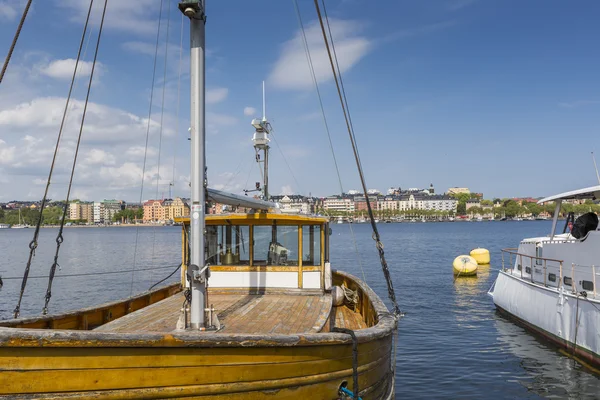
{"x": 452, "y": 344}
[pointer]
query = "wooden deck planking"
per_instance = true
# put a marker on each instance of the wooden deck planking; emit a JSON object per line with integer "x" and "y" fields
{"x": 238, "y": 313}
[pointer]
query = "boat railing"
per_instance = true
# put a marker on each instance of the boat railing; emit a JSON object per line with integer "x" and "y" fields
{"x": 533, "y": 264}
{"x": 555, "y": 274}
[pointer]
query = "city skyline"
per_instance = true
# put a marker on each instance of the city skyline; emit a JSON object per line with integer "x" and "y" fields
{"x": 438, "y": 90}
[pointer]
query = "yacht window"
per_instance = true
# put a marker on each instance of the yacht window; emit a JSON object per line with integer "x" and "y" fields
{"x": 552, "y": 277}
{"x": 275, "y": 245}
{"x": 568, "y": 281}
{"x": 528, "y": 270}
{"x": 587, "y": 285}
{"x": 519, "y": 267}
{"x": 311, "y": 245}
{"x": 228, "y": 245}
{"x": 538, "y": 255}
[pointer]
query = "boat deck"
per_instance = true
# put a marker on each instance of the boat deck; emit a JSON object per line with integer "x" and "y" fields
{"x": 242, "y": 313}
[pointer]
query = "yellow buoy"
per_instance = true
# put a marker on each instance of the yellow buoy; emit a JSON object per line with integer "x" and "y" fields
{"x": 482, "y": 256}
{"x": 464, "y": 266}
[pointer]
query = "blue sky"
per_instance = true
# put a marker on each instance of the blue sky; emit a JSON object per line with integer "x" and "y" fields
{"x": 499, "y": 96}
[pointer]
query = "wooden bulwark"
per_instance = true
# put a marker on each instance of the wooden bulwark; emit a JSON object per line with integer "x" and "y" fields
{"x": 92, "y": 317}
{"x": 150, "y": 365}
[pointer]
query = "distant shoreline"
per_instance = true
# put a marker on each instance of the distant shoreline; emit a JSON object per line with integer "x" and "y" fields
{"x": 104, "y": 226}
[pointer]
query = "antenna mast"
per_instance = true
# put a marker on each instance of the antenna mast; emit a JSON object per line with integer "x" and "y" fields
{"x": 596, "y": 168}
{"x": 261, "y": 142}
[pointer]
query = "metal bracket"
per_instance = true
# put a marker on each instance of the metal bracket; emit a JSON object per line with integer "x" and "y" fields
{"x": 193, "y": 9}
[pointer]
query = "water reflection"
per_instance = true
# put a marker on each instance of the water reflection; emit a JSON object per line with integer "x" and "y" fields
{"x": 543, "y": 369}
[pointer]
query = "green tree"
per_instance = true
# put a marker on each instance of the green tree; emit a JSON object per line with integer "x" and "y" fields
{"x": 461, "y": 208}
{"x": 512, "y": 208}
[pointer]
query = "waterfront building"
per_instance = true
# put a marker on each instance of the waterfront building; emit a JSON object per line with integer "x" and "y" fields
{"x": 458, "y": 190}
{"x": 175, "y": 208}
{"x": 86, "y": 211}
{"x": 472, "y": 203}
{"x": 295, "y": 203}
{"x": 111, "y": 207}
{"x": 339, "y": 203}
{"x": 98, "y": 212}
{"x": 74, "y": 211}
{"x": 154, "y": 211}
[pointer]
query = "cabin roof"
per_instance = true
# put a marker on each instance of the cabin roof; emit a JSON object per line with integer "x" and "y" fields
{"x": 258, "y": 218}
{"x": 592, "y": 192}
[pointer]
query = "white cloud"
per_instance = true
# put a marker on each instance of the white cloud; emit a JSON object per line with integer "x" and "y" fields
{"x": 63, "y": 69}
{"x": 7, "y": 11}
{"x": 249, "y": 111}
{"x": 7, "y": 153}
{"x": 98, "y": 157}
{"x": 216, "y": 95}
{"x": 291, "y": 70}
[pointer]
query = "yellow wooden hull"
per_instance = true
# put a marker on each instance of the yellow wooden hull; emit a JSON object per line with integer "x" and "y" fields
{"x": 51, "y": 363}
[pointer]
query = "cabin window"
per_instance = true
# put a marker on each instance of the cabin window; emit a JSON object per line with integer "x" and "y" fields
{"x": 538, "y": 255}
{"x": 275, "y": 245}
{"x": 228, "y": 245}
{"x": 311, "y": 245}
{"x": 568, "y": 281}
{"x": 552, "y": 277}
{"x": 528, "y": 270}
{"x": 587, "y": 285}
{"x": 519, "y": 267}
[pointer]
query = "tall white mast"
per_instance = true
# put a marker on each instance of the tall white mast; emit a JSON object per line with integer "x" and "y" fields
{"x": 197, "y": 270}
{"x": 261, "y": 142}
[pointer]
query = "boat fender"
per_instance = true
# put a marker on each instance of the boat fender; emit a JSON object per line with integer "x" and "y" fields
{"x": 337, "y": 296}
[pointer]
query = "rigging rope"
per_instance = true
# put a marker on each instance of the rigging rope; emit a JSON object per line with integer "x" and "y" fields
{"x": 162, "y": 115}
{"x": 88, "y": 273}
{"x": 376, "y": 237}
{"x": 137, "y": 230}
{"x": 34, "y": 242}
{"x": 59, "y": 237}
{"x": 286, "y": 161}
{"x": 314, "y": 79}
{"x": 14, "y": 42}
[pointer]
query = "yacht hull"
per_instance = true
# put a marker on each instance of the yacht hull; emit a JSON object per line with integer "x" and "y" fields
{"x": 52, "y": 363}
{"x": 550, "y": 313}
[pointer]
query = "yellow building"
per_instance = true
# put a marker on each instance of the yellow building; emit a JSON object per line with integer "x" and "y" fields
{"x": 154, "y": 211}
{"x": 458, "y": 190}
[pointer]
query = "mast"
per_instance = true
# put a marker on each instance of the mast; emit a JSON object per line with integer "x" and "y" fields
{"x": 261, "y": 142}
{"x": 197, "y": 275}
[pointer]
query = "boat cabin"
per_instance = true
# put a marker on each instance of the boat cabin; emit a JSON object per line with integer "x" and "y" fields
{"x": 264, "y": 251}
{"x": 570, "y": 259}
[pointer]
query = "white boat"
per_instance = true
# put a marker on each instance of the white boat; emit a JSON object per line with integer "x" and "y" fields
{"x": 549, "y": 283}
{"x": 20, "y": 225}
{"x": 4, "y": 226}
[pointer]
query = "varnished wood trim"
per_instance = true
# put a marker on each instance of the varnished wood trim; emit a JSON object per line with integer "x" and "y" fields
{"x": 92, "y": 317}
{"x": 381, "y": 321}
{"x": 300, "y": 257}
{"x": 261, "y": 268}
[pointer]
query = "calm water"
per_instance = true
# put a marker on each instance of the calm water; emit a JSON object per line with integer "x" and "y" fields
{"x": 452, "y": 344}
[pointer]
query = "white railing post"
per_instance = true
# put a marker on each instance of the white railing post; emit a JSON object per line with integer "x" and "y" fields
{"x": 573, "y": 285}
{"x": 545, "y": 273}
{"x": 594, "y": 279}
{"x": 560, "y": 277}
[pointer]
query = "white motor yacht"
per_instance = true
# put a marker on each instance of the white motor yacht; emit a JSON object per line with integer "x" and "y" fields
{"x": 549, "y": 284}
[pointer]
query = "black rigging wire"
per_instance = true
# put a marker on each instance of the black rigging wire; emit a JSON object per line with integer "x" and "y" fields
{"x": 376, "y": 236}
{"x": 162, "y": 117}
{"x": 59, "y": 237}
{"x": 15, "y": 38}
{"x": 314, "y": 78}
{"x": 34, "y": 242}
{"x": 137, "y": 230}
